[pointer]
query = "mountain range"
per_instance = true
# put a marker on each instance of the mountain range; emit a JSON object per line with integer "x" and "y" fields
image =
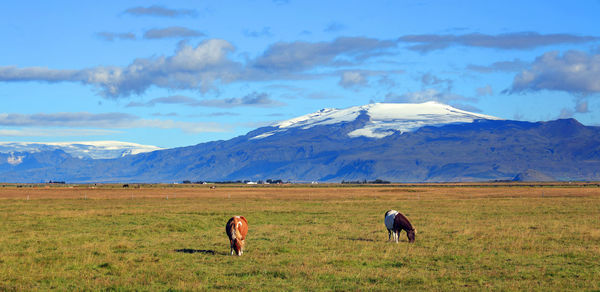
{"x": 427, "y": 142}
{"x": 83, "y": 150}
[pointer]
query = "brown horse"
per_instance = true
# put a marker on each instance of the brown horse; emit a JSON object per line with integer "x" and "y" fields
{"x": 237, "y": 228}
{"x": 402, "y": 223}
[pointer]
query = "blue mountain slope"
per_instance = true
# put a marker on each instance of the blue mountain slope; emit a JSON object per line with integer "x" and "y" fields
{"x": 481, "y": 150}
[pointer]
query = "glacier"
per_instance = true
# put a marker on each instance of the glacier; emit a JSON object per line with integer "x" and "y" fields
{"x": 384, "y": 118}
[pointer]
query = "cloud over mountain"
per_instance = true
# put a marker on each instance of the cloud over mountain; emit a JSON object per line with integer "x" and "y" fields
{"x": 101, "y": 121}
{"x": 189, "y": 68}
{"x": 175, "y": 99}
{"x": 80, "y": 119}
{"x": 574, "y": 72}
{"x": 203, "y": 66}
{"x": 254, "y": 99}
{"x": 352, "y": 78}
{"x": 160, "y": 11}
{"x": 264, "y": 32}
{"x": 501, "y": 66}
{"x": 429, "y": 94}
{"x": 111, "y": 36}
{"x": 172, "y": 32}
{"x": 425, "y": 43}
{"x": 286, "y": 57}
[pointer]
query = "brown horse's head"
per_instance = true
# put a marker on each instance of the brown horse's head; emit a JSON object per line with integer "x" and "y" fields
{"x": 411, "y": 235}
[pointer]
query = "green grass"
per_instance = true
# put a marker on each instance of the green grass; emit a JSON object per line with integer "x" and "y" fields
{"x": 302, "y": 239}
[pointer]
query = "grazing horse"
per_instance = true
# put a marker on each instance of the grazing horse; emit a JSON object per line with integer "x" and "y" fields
{"x": 237, "y": 228}
{"x": 402, "y": 223}
{"x": 388, "y": 219}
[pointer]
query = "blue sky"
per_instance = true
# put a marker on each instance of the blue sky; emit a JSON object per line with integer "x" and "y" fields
{"x": 179, "y": 73}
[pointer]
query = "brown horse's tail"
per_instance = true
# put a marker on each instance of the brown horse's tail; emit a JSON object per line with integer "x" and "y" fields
{"x": 233, "y": 230}
{"x": 239, "y": 224}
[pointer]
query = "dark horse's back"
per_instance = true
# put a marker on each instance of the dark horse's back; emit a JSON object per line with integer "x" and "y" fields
{"x": 402, "y": 223}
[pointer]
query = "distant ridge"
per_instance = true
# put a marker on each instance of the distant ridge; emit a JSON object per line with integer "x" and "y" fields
{"x": 83, "y": 150}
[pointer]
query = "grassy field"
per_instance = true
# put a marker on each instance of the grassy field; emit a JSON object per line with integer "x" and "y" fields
{"x": 301, "y": 238}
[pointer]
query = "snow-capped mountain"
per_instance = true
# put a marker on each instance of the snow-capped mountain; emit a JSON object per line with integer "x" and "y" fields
{"x": 427, "y": 142}
{"x": 82, "y": 150}
{"x": 384, "y": 119}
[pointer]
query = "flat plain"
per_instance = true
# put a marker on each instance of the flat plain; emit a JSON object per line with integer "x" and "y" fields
{"x": 325, "y": 237}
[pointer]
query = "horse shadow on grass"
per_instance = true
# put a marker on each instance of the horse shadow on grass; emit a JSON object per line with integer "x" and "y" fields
{"x": 357, "y": 239}
{"x": 202, "y": 251}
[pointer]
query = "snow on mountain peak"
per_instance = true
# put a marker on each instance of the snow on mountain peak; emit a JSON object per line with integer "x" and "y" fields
{"x": 384, "y": 118}
{"x": 90, "y": 149}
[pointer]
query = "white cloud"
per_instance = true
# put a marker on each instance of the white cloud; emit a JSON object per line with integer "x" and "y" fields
{"x": 574, "y": 72}
{"x": 81, "y": 119}
{"x": 188, "y": 127}
{"x": 300, "y": 56}
{"x": 427, "y": 95}
{"x": 265, "y": 32}
{"x": 429, "y": 79}
{"x": 582, "y": 106}
{"x": 508, "y": 41}
{"x": 31, "y": 124}
{"x": 253, "y": 99}
{"x": 416, "y": 96}
{"x": 161, "y": 11}
{"x": 54, "y": 132}
{"x": 174, "y": 99}
{"x": 209, "y": 64}
{"x": 515, "y": 65}
{"x": 197, "y": 67}
{"x": 172, "y": 32}
{"x": 352, "y": 79}
{"x": 334, "y": 27}
{"x": 486, "y": 90}
{"x": 566, "y": 113}
{"x": 111, "y": 36}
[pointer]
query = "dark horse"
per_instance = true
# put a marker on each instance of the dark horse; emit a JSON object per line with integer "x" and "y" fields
{"x": 402, "y": 223}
